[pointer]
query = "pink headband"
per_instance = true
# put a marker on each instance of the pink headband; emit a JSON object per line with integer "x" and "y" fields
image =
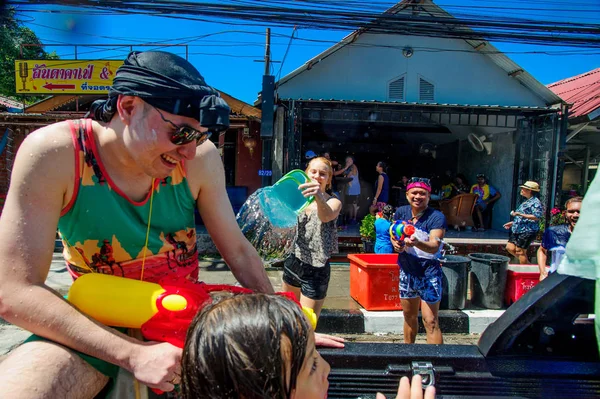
{"x": 418, "y": 184}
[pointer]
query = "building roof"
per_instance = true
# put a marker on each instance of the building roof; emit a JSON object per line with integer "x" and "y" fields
{"x": 490, "y": 107}
{"x": 53, "y": 103}
{"x": 495, "y": 55}
{"x": 241, "y": 108}
{"x": 582, "y": 91}
{"x": 10, "y": 105}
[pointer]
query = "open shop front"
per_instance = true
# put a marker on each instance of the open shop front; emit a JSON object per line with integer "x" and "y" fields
{"x": 508, "y": 144}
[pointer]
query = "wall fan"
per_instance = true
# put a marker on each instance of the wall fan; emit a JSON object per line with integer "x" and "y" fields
{"x": 427, "y": 149}
{"x": 479, "y": 144}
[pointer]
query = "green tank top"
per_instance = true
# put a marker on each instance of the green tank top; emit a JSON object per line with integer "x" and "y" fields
{"x": 104, "y": 231}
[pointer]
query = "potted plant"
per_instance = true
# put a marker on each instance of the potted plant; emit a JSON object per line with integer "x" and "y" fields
{"x": 367, "y": 233}
{"x": 556, "y": 217}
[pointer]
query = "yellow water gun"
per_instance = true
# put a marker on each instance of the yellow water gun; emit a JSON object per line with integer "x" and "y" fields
{"x": 162, "y": 311}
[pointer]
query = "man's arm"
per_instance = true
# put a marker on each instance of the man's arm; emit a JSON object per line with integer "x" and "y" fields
{"x": 339, "y": 172}
{"x": 494, "y": 198}
{"x": 528, "y": 217}
{"x": 43, "y": 168}
{"x": 431, "y": 246}
{"x": 207, "y": 170}
{"x": 536, "y": 212}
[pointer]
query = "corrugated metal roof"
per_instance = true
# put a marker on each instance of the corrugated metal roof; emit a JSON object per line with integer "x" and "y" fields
{"x": 10, "y": 104}
{"x": 497, "y": 57}
{"x": 479, "y": 106}
{"x": 583, "y": 91}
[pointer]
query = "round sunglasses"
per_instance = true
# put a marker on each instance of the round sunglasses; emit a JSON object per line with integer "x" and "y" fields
{"x": 185, "y": 134}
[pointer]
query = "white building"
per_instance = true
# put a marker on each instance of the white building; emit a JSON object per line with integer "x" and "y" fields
{"x": 413, "y": 102}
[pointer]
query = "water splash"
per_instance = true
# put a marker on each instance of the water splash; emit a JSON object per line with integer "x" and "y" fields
{"x": 269, "y": 224}
{"x": 447, "y": 248}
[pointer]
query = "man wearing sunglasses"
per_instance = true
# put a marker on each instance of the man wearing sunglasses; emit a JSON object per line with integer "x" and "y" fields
{"x": 418, "y": 257}
{"x": 122, "y": 188}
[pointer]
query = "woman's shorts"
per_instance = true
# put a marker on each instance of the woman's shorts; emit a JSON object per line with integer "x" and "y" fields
{"x": 428, "y": 288}
{"x": 313, "y": 281}
{"x": 522, "y": 240}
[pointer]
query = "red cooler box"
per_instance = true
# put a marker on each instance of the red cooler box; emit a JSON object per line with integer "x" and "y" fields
{"x": 519, "y": 280}
{"x": 374, "y": 281}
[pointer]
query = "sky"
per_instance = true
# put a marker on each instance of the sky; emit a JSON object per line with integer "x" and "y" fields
{"x": 230, "y": 55}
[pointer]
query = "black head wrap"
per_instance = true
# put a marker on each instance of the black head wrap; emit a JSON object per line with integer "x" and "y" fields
{"x": 168, "y": 82}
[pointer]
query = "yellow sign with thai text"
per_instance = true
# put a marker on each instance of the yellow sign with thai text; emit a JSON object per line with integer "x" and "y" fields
{"x": 65, "y": 76}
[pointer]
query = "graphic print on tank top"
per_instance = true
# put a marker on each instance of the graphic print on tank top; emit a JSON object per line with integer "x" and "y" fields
{"x": 105, "y": 231}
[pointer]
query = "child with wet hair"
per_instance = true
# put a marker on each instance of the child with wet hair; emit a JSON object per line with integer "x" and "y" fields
{"x": 252, "y": 346}
{"x": 259, "y": 346}
{"x": 383, "y": 242}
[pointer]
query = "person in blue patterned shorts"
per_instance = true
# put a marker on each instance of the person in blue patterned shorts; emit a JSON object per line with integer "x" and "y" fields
{"x": 420, "y": 267}
{"x": 525, "y": 225}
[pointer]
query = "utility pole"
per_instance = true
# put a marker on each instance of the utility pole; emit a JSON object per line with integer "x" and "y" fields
{"x": 268, "y": 53}
{"x": 266, "y": 126}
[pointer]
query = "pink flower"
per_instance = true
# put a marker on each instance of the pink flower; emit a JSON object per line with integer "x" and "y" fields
{"x": 555, "y": 211}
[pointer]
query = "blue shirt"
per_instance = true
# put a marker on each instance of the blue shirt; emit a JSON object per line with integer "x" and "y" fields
{"x": 555, "y": 240}
{"x": 532, "y": 206}
{"x": 414, "y": 261}
{"x": 383, "y": 243}
{"x": 556, "y": 236}
{"x": 484, "y": 193}
{"x": 384, "y": 195}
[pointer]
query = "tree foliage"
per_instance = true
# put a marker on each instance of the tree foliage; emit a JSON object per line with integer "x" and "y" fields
{"x": 12, "y": 35}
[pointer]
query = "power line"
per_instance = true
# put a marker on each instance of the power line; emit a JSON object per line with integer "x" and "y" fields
{"x": 286, "y": 52}
{"x": 311, "y": 42}
{"x": 501, "y": 29}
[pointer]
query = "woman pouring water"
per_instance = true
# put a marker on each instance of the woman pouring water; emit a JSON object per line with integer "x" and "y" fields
{"x": 306, "y": 271}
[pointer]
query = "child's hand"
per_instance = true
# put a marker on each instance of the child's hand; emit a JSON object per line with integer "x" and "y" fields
{"x": 406, "y": 391}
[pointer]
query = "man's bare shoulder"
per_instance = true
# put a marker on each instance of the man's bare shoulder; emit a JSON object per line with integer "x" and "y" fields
{"x": 206, "y": 168}
{"x": 207, "y": 158}
{"x": 53, "y": 140}
{"x": 49, "y": 150}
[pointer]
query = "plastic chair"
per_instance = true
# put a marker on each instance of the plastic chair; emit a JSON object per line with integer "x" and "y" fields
{"x": 459, "y": 210}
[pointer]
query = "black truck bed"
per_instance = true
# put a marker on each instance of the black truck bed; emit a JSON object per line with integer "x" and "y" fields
{"x": 542, "y": 347}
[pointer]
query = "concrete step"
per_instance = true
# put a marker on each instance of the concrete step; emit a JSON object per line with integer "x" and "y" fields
{"x": 359, "y": 321}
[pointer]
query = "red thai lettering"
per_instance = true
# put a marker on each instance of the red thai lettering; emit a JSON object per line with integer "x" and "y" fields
{"x": 41, "y": 71}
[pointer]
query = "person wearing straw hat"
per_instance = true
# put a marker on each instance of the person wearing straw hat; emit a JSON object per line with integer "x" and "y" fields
{"x": 525, "y": 226}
